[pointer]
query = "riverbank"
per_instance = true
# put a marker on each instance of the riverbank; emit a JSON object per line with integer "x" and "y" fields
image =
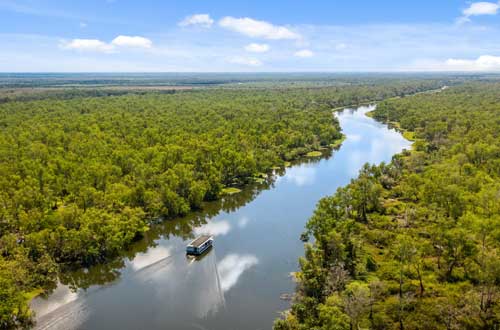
{"x": 385, "y": 248}
{"x": 155, "y": 270}
{"x": 337, "y": 144}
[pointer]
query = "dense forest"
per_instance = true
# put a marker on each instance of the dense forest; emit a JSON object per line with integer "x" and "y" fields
{"x": 31, "y": 87}
{"x": 413, "y": 244}
{"x": 83, "y": 177}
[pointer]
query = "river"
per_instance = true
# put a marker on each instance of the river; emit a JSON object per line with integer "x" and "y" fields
{"x": 237, "y": 284}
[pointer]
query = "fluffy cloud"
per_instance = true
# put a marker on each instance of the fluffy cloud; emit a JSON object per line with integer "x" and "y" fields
{"x": 478, "y": 9}
{"x": 370, "y": 47}
{"x": 95, "y": 45}
{"x": 257, "y": 29}
{"x": 203, "y": 20}
{"x": 257, "y": 48}
{"x": 482, "y": 63}
{"x": 482, "y": 8}
{"x": 135, "y": 42}
{"x": 88, "y": 45}
{"x": 304, "y": 53}
{"x": 247, "y": 61}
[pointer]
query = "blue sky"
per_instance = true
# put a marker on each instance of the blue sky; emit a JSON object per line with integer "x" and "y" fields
{"x": 257, "y": 35}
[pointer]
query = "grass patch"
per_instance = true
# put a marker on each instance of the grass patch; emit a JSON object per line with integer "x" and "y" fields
{"x": 230, "y": 190}
{"x": 409, "y": 135}
{"x": 33, "y": 294}
{"x": 314, "y": 154}
{"x": 260, "y": 177}
{"x": 338, "y": 143}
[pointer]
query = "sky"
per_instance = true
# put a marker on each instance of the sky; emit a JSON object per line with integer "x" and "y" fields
{"x": 249, "y": 36}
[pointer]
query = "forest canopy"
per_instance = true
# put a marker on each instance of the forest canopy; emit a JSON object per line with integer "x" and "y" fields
{"x": 413, "y": 244}
{"x": 82, "y": 177}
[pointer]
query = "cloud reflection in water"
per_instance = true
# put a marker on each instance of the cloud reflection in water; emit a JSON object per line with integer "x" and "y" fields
{"x": 302, "y": 175}
{"x": 232, "y": 266}
{"x": 354, "y": 137}
{"x": 213, "y": 228}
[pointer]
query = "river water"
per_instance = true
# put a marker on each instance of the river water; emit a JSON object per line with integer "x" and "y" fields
{"x": 237, "y": 284}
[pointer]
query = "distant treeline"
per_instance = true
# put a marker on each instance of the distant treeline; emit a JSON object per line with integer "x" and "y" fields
{"x": 69, "y": 80}
{"x": 413, "y": 244}
{"x": 23, "y": 95}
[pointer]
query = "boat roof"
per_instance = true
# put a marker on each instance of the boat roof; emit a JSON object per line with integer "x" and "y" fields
{"x": 200, "y": 240}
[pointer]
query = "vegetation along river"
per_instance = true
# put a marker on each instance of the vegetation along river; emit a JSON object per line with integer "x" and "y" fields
{"x": 238, "y": 283}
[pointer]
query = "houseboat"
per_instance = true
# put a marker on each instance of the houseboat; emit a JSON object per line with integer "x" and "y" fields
{"x": 199, "y": 245}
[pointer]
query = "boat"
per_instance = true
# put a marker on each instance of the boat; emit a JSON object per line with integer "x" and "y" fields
{"x": 200, "y": 245}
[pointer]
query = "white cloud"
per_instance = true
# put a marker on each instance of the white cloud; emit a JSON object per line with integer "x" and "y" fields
{"x": 481, "y": 8}
{"x": 478, "y": 9}
{"x": 257, "y": 48}
{"x": 370, "y": 47}
{"x": 83, "y": 25}
{"x": 88, "y": 45}
{"x": 257, "y": 29}
{"x": 203, "y": 20}
{"x": 304, "y": 53}
{"x": 482, "y": 63}
{"x": 247, "y": 61}
{"x": 132, "y": 41}
{"x": 95, "y": 45}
